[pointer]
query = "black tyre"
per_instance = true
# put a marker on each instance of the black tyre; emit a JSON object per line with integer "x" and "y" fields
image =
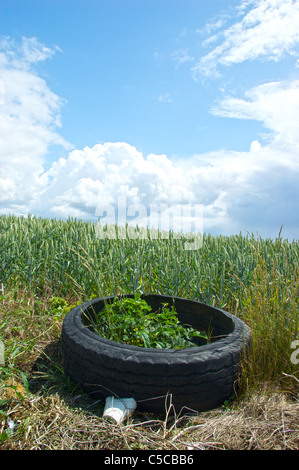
{"x": 197, "y": 378}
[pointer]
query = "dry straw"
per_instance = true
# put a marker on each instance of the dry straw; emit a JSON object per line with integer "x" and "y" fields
{"x": 262, "y": 422}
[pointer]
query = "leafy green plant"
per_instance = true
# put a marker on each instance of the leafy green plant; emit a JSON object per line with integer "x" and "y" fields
{"x": 59, "y": 307}
{"x": 132, "y": 321}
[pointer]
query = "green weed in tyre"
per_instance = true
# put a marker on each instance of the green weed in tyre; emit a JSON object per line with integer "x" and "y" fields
{"x": 132, "y": 321}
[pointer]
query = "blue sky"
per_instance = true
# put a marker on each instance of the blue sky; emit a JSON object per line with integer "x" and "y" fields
{"x": 161, "y": 101}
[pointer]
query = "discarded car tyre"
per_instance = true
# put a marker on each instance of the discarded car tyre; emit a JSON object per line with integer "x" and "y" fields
{"x": 197, "y": 378}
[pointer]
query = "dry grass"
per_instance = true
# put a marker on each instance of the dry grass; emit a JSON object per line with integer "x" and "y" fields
{"x": 262, "y": 422}
{"x": 267, "y": 421}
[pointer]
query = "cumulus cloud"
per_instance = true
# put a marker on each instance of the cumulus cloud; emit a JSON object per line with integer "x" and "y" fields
{"x": 89, "y": 180}
{"x": 238, "y": 190}
{"x": 268, "y": 31}
{"x": 29, "y": 119}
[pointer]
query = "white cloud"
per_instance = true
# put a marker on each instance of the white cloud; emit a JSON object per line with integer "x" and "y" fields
{"x": 276, "y": 104}
{"x": 238, "y": 190}
{"x": 165, "y": 98}
{"x": 29, "y": 117}
{"x": 95, "y": 177}
{"x": 268, "y": 31}
{"x": 24, "y": 53}
{"x": 182, "y": 56}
